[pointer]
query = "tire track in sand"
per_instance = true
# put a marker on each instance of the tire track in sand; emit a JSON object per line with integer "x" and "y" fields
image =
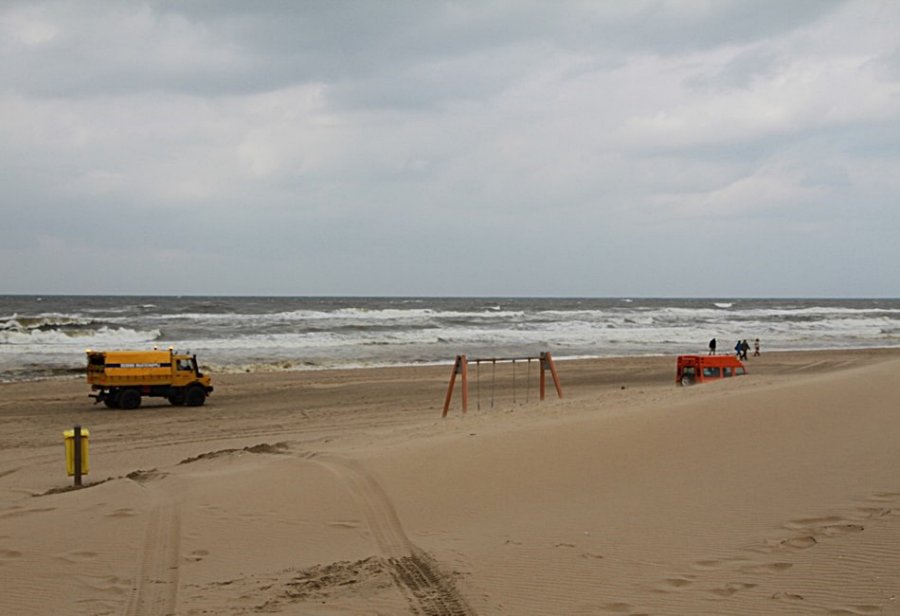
{"x": 156, "y": 587}
{"x": 428, "y": 591}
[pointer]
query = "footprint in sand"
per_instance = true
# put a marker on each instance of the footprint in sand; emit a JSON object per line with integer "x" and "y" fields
{"x": 673, "y": 584}
{"x": 345, "y": 523}
{"x": 144, "y": 476}
{"x": 196, "y": 556}
{"x": 831, "y": 526}
{"x": 716, "y": 564}
{"x": 808, "y": 523}
{"x": 798, "y": 543}
{"x": 708, "y": 565}
{"x": 766, "y": 568}
{"x": 787, "y": 596}
{"x": 9, "y": 554}
{"x": 732, "y": 587}
{"x": 79, "y": 556}
{"x": 836, "y": 530}
{"x": 869, "y": 513}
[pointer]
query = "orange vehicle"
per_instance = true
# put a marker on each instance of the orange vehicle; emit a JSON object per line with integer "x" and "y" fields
{"x": 701, "y": 368}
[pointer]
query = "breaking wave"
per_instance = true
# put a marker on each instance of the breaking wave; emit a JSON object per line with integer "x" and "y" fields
{"x": 264, "y": 334}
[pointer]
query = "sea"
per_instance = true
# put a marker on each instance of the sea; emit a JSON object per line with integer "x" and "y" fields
{"x": 47, "y": 336}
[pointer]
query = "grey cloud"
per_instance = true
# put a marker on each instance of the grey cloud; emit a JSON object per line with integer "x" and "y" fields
{"x": 224, "y": 48}
{"x": 445, "y": 148}
{"x": 741, "y": 71}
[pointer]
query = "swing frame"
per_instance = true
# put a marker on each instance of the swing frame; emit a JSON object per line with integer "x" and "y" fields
{"x": 461, "y": 368}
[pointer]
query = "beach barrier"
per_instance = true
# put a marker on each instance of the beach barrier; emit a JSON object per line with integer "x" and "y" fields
{"x": 461, "y": 369}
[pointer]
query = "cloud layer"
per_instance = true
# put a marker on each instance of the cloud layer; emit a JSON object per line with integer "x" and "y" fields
{"x": 460, "y": 148}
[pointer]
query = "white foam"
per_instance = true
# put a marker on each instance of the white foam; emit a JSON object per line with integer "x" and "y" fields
{"x": 99, "y": 337}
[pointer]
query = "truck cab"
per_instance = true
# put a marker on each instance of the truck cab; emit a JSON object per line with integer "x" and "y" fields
{"x": 692, "y": 369}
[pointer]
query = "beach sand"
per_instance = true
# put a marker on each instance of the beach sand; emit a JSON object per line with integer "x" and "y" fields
{"x": 345, "y": 492}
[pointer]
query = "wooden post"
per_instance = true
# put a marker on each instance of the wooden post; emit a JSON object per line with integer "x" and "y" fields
{"x": 461, "y": 367}
{"x": 543, "y": 367}
{"x": 546, "y": 357}
{"x": 464, "y": 368}
{"x": 77, "y": 444}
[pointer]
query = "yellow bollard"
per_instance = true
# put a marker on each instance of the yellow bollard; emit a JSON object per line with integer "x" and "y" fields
{"x": 76, "y": 457}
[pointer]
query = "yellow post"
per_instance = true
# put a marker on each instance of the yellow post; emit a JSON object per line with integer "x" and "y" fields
{"x": 77, "y": 452}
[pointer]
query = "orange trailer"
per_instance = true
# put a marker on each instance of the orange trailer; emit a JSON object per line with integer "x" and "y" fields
{"x": 701, "y": 368}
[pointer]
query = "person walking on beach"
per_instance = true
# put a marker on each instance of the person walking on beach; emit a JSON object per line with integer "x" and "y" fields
{"x": 737, "y": 349}
{"x": 712, "y": 346}
{"x": 756, "y": 348}
{"x": 745, "y": 346}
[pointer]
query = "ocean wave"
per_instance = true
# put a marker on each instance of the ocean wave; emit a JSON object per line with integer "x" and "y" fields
{"x": 421, "y": 317}
{"x": 236, "y": 334}
{"x": 91, "y": 337}
{"x": 341, "y": 314}
{"x": 23, "y": 323}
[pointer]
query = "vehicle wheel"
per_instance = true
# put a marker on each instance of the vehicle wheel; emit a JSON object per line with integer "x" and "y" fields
{"x": 111, "y": 402}
{"x": 195, "y": 396}
{"x": 176, "y": 398}
{"x": 687, "y": 381}
{"x": 129, "y": 399}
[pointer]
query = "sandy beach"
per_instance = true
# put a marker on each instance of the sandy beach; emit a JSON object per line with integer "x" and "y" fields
{"x": 345, "y": 492}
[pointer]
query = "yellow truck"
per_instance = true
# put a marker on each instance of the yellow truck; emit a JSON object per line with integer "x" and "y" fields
{"x": 121, "y": 378}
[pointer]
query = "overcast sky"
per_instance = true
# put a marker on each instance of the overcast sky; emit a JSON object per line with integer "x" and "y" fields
{"x": 628, "y": 148}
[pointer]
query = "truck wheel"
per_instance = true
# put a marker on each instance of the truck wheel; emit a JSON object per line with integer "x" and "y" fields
{"x": 111, "y": 401}
{"x": 195, "y": 396}
{"x": 176, "y": 398}
{"x": 129, "y": 399}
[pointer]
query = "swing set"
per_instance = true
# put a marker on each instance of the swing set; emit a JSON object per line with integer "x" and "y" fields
{"x": 461, "y": 368}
